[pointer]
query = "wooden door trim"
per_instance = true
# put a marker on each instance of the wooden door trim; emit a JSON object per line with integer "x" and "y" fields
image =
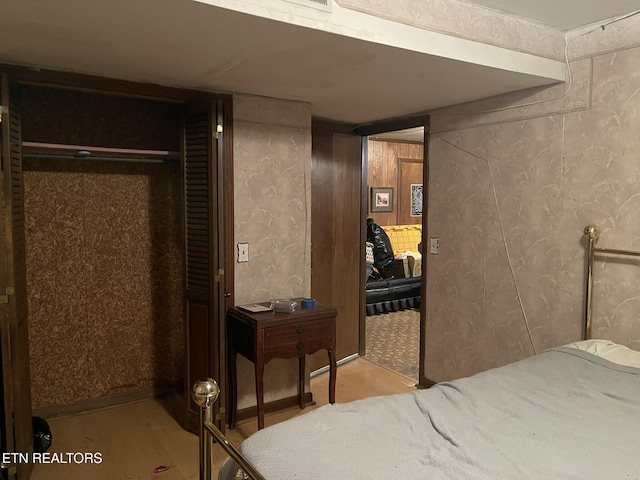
{"x": 15, "y": 322}
{"x": 378, "y": 128}
{"x": 7, "y": 374}
{"x": 423, "y": 381}
{"x": 226, "y": 292}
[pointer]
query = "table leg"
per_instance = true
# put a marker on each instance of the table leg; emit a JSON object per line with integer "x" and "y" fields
{"x": 259, "y": 370}
{"x": 301, "y": 375}
{"x": 333, "y": 371}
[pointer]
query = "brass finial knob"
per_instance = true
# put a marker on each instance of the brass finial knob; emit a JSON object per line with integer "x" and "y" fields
{"x": 592, "y": 232}
{"x": 205, "y": 392}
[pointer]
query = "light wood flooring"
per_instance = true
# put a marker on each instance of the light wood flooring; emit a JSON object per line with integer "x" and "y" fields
{"x": 136, "y": 438}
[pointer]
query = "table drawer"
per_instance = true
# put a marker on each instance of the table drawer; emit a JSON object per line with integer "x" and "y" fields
{"x": 298, "y": 338}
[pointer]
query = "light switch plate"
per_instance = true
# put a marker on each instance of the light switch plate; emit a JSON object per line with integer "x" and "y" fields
{"x": 243, "y": 252}
{"x": 434, "y": 245}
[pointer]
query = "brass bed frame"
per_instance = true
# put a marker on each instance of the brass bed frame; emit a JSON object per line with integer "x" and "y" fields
{"x": 205, "y": 392}
{"x": 592, "y": 233}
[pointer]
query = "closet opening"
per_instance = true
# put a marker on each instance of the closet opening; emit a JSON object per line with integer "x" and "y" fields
{"x": 118, "y": 198}
{"x": 104, "y": 257}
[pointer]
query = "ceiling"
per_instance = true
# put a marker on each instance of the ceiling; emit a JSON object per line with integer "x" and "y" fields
{"x": 355, "y": 73}
{"x": 563, "y": 15}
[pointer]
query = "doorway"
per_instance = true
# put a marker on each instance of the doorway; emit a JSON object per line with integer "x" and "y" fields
{"x": 394, "y": 164}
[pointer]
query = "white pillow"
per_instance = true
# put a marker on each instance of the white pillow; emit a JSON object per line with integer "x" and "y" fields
{"x": 610, "y": 351}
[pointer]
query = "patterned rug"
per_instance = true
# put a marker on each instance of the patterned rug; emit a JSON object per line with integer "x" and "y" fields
{"x": 392, "y": 341}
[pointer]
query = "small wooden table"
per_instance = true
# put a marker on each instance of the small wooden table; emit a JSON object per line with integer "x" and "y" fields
{"x": 261, "y": 337}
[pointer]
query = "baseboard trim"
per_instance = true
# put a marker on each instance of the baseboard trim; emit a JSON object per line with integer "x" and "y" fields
{"x": 340, "y": 362}
{"x": 425, "y": 383}
{"x": 274, "y": 406}
{"x": 107, "y": 401}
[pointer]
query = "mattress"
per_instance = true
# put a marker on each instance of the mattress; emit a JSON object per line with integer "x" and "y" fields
{"x": 565, "y": 413}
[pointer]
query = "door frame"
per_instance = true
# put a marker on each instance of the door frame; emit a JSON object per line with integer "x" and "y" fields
{"x": 376, "y": 128}
{"x": 17, "y": 434}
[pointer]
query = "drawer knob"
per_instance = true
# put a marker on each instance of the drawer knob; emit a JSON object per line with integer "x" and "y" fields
{"x": 299, "y": 346}
{"x": 300, "y": 330}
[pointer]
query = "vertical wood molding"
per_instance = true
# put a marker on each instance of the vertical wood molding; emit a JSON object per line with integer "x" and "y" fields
{"x": 17, "y": 331}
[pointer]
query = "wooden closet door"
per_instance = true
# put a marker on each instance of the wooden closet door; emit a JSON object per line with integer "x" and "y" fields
{"x": 16, "y": 387}
{"x": 204, "y": 248}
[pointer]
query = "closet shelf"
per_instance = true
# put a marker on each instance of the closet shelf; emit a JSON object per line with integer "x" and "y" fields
{"x": 83, "y": 152}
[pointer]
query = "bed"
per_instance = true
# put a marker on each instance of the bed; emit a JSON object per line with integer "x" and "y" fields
{"x": 571, "y": 412}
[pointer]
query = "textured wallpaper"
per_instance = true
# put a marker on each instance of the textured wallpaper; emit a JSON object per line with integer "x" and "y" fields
{"x": 509, "y": 197}
{"x": 468, "y": 21}
{"x": 104, "y": 278}
{"x": 272, "y": 181}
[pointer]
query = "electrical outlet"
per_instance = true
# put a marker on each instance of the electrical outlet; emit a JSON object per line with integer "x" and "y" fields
{"x": 243, "y": 252}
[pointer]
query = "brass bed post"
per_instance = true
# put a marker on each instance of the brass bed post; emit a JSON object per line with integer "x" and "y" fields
{"x": 592, "y": 232}
{"x": 205, "y": 393}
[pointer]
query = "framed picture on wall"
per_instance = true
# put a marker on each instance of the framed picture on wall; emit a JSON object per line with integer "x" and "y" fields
{"x": 381, "y": 199}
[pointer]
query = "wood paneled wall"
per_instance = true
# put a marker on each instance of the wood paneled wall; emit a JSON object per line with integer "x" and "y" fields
{"x": 337, "y": 253}
{"x": 383, "y": 165}
{"x": 51, "y": 115}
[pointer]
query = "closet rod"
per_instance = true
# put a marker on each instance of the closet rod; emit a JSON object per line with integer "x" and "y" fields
{"x": 85, "y": 152}
{"x": 102, "y": 158}
{"x": 60, "y": 147}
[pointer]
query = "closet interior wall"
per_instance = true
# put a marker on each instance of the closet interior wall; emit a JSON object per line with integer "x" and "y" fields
{"x": 104, "y": 249}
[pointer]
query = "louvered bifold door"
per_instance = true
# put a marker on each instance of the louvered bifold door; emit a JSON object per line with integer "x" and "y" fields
{"x": 200, "y": 216}
{"x": 16, "y": 386}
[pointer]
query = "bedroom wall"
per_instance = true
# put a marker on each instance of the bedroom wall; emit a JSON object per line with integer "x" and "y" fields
{"x": 510, "y": 193}
{"x": 272, "y": 165}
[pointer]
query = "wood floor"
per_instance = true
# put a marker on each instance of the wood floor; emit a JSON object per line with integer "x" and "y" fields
{"x": 136, "y": 438}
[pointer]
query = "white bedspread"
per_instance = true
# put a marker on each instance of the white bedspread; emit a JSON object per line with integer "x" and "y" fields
{"x": 563, "y": 414}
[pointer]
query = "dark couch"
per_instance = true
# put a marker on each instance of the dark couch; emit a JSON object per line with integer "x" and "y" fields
{"x": 393, "y": 295}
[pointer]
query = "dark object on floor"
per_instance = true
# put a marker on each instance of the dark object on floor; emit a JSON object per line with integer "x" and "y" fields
{"x": 41, "y": 435}
{"x": 393, "y": 295}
